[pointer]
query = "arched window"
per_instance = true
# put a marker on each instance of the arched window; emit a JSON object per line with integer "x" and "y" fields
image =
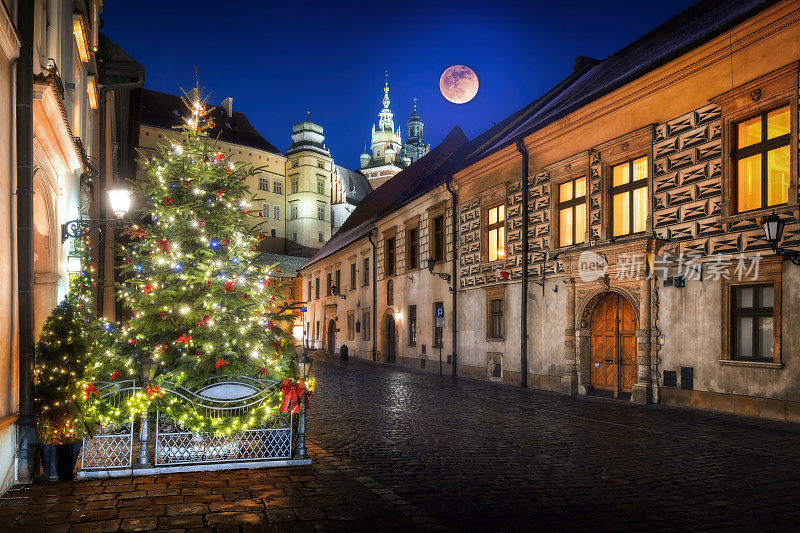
{"x": 390, "y": 293}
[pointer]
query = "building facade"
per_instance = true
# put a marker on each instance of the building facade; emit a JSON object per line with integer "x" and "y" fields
{"x": 609, "y": 234}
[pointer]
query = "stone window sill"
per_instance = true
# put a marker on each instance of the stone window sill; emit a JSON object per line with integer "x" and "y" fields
{"x": 751, "y": 364}
{"x": 758, "y": 214}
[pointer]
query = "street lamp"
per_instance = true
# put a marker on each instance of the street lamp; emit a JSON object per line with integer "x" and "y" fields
{"x": 773, "y": 232}
{"x": 120, "y": 199}
{"x": 431, "y": 264}
{"x": 304, "y": 363}
{"x": 148, "y": 367}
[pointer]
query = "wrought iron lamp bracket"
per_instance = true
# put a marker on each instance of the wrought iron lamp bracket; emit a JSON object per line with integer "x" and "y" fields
{"x": 791, "y": 255}
{"x": 80, "y": 228}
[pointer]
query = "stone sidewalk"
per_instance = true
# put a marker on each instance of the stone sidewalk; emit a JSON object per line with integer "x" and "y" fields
{"x": 322, "y": 497}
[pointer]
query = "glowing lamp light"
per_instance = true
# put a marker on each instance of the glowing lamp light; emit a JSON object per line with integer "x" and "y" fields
{"x": 304, "y": 363}
{"x": 121, "y": 200}
{"x": 81, "y": 35}
{"x": 91, "y": 90}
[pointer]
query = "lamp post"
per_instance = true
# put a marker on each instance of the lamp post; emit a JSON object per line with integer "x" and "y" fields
{"x": 773, "y": 232}
{"x": 304, "y": 363}
{"x": 147, "y": 366}
{"x": 120, "y": 199}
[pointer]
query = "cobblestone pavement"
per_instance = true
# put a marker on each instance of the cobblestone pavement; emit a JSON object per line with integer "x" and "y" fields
{"x": 396, "y": 450}
{"x": 474, "y": 455}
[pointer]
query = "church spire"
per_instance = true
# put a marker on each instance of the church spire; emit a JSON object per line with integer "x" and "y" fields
{"x": 386, "y": 91}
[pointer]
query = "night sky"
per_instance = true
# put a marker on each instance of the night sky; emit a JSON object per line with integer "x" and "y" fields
{"x": 280, "y": 59}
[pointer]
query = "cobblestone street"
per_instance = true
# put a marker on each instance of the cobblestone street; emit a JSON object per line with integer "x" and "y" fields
{"x": 395, "y": 450}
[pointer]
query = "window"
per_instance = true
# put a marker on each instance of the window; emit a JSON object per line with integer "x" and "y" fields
{"x": 365, "y": 272}
{"x": 629, "y": 197}
{"x": 308, "y": 296}
{"x": 277, "y": 187}
{"x": 294, "y": 186}
{"x": 328, "y": 284}
{"x": 321, "y": 237}
{"x": 265, "y": 210}
{"x": 337, "y": 280}
{"x": 293, "y": 211}
{"x": 317, "y": 337}
{"x": 320, "y": 186}
{"x": 438, "y": 332}
{"x": 316, "y": 289}
{"x": 496, "y": 232}
{"x": 761, "y": 160}
{"x": 572, "y": 212}
{"x": 295, "y": 163}
{"x": 412, "y": 249}
{"x": 276, "y": 212}
{"x": 320, "y": 212}
{"x": 351, "y": 319}
{"x": 412, "y": 325}
{"x": 308, "y": 329}
{"x": 438, "y": 238}
{"x": 496, "y": 319}
{"x": 366, "y": 322}
{"x": 273, "y": 232}
{"x": 388, "y": 254}
{"x": 320, "y": 164}
{"x": 294, "y": 236}
{"x": 353, "y": 276}
{"x": 752, "y": 312}
{"x": 389, "y": 293}
{"x": 263, "y": 184}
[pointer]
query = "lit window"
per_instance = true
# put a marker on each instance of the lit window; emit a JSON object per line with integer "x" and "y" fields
{"x": 495, "y": 218}
{"x": 762, "y": 162}
{"x": 572, "y": 212}
{"x": 629, "y": 197}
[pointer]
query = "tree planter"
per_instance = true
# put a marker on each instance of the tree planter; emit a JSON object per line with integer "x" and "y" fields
{"x": 58, "y": 460}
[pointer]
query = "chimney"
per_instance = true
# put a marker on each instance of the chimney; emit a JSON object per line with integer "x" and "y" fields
{"x": 582, "y": 62}
{"x": 228, "y": 105}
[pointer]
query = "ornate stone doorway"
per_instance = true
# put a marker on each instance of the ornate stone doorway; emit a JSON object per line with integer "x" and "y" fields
{"x": 612, "y": 364}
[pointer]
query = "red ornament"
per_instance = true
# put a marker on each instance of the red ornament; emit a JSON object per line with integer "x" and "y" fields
{"x": 244, "y": 296}
{"x": 168, "y": 200}
{"x": 184, "y": 339}
{"x": 89, "y": 391}
{"x": 219, "y": 364}
{"x": 148, "y": 289}
{"x": 220, "y": 193}
{"x": 219, "y": 157}
{"x": 209, "y": 283}
{"x": 205, "y": 320}
{"x": 228, "y": 286}
{"x": 132, "y": 342}
{"x": 115, "y": 375}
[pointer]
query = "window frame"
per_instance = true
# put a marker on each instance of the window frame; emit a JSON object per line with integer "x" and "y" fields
{"x": 496, "y": 226}
{"x": 389, "y": 255}
{"x": 365, "y": 274}
{"x": 412, "y": 248}
{"x": 412, "y": 325}
{"x": 572, "y": 204}
{"x": 277, "y": 187}
{"x": 438, "y": 238}
{"x": 761, "y": 148}
{"x": 629, "y": 187}
{"x": 353, "y": 276}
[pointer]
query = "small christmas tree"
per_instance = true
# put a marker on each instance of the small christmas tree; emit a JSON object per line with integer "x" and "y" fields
{"x": 200, "y": 306}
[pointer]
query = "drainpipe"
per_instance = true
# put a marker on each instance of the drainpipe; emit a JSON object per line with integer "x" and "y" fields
{"x": 24, "y": 110}
{"x": 374, "y": 298}
{"x": 454, "y": 288}
{"x": 524, "y": 310}
{"x": 101, "y": 199}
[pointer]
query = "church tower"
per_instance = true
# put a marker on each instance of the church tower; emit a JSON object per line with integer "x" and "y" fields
{"x": 386, "y": 145}
{"x": 415, "y": 147}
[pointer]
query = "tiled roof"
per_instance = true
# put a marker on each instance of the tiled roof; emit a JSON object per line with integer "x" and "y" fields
{"x": 423, "y": 175}
{"x": 688, "y": 30}
{"x": 286, "y": 266}
{"x": 356, "y": 184}
{"x": 166, "y": 111}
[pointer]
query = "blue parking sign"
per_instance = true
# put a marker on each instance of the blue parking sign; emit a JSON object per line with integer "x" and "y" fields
{"x": 303, "y": 309}
{"x": 440, "y": 312}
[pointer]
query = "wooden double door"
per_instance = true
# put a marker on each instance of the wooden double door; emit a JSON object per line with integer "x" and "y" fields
{"x": 613, "y": 348}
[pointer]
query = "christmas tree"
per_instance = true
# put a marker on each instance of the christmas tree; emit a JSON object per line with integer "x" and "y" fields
{"x": 199, "y": 305}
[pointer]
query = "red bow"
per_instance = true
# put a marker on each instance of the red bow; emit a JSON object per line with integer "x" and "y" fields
{"x": 219, "y": 157}
{"x": 220, "y": 193}
{"x": 293, "y": 394}
{"x": 115, "y": 375}
{"x": 89, "y": 391}
{"x": 139, "y": 233}
{"x": 228, "y": 286}
{"x": 154, "y": 392}
{"x": 163, "y": 245}
{"x": 184, "y": 339}
{"x": 219, "y": 364}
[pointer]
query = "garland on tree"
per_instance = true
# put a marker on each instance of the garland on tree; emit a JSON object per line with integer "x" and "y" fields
{"x": 199, "y": 304}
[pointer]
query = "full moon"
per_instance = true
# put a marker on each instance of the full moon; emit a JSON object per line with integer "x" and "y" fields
{"x": 458, "y": 84}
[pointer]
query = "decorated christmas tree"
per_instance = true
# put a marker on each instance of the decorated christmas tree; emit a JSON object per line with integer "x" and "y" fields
{"x": 199, "y": 304}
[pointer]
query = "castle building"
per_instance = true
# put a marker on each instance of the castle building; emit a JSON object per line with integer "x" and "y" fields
{"x": 389, "y": 154}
